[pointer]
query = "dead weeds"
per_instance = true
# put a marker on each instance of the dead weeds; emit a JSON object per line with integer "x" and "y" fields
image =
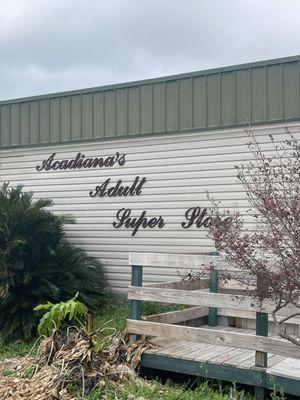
{"x": 87, "y": 361}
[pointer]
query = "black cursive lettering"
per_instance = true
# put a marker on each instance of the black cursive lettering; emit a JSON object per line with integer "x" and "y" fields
{"x": 80, "y": 161}
{"x": 135, "y": 223}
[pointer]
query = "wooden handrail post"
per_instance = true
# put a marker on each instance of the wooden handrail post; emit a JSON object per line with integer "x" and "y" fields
{"x": 261, "y": 358}
{"x": 261, "y": 330}
{"x": 136, "y": 305}
{"x": 214, "y": 288}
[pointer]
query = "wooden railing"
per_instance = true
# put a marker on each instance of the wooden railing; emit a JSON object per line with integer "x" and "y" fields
{"x": 210, "y": 303}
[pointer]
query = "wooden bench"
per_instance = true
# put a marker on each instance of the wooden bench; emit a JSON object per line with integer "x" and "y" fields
{"x": 214, "y": 349}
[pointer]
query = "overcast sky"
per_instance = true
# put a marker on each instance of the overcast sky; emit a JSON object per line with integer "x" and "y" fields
{"x": 56, "y": 45}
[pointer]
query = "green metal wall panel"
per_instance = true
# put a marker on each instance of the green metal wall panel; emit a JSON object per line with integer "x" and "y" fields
{"x": 34, "y": 126}
{"x": 121, "y": 110}
{"x": 55, "y": 135}
{"x": 76, "y": 117}
{"x": 134, "y": 110}
{"x": 159, "y": 107}
{"x": 213, "y": 100}
{"x": 15, "y": 125}
{"x": 199, "y": 102}
{"x": 44, "y": 121}
{"x": 110, "y": 113}
{"x": 87, "y": 116}
{"x": 243, "y": 96}
{"x": 98, "y": 115}
{"x": 259, "y": 94}
{"x": 5, "y": 125}
{"x": 263, "y": 92}
{"x": 228, "y": 101}
{"x": 291, "y": 88}
{"x": 65, "y": 118}
{"x": 146, "y": 108}
{"x": 24, "y": 124}
{"x": 275, "y": 92}
{"x": 172, "y": 106}
{"x": 185, "y": 103}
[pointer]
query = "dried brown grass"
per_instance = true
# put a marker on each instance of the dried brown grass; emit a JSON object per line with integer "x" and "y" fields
{"x": 79, "y": 359}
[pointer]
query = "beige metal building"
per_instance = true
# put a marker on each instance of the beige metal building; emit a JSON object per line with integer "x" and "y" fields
{"x": 133, "y": 162}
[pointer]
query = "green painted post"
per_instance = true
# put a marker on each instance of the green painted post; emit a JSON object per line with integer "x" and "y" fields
{"x": 214, "y": 288}
{"x": 261, "y": 358}
{"x": 136, "y": 305}
{"x": 261, "y": 330}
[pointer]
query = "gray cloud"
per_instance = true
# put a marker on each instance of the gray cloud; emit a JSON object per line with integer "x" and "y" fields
{"x": 56, "y": 45}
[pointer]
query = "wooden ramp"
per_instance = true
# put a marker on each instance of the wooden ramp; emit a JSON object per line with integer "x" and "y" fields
{"x": 205, "y": 337}
{"x": 224, "y": 363}
{"x": 227, "y": 356}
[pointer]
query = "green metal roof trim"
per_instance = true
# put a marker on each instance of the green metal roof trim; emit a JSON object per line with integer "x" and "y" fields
{"x": 256, "y": 93}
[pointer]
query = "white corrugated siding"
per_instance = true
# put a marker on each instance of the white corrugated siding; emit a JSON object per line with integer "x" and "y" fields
{"x": 179, "y": 169}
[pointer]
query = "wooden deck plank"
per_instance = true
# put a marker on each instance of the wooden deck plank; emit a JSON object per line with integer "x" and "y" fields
{"x": 274, "y": 360}
{"x": 288, "y": 368}
{"x": 240, "y": 357}
{"x": 247, "y": 363}
{"x": 191, "y": 355}
{"x": 161, "y": 343}
{"x": 214, "y": 352}
{"x": 222, "y": 356}
{"x": 170, "y": 347}
{"x": 184, "y": 351}
{"x": 176, "y": 350}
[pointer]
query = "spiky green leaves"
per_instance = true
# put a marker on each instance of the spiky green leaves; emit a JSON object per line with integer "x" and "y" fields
{"x": 38, "y": 264}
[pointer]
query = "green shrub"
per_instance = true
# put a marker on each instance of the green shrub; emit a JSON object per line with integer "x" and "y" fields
{"x": 37, "y": 264}
{"x": 56, "y": 314}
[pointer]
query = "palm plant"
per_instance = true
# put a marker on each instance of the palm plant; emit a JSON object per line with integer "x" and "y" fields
{"x": 38, "y": 264}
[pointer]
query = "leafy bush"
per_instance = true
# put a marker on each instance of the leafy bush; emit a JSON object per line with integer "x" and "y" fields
{"x": 37, "y": 264}
{"x": 58, "y": 313}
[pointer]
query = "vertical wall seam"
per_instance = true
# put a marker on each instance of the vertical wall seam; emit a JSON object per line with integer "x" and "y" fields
{"x": 178, "y": 103}
{"x": 116, "y": 116}
{"x": 267, "y": 94}
{"x": 104, "y": 109}
{"x": 140, "y": 110}
{"x": 234, "y": 98}
{"x": 220, "y": 100}
{"x": 59, "y": 120}
{"x": 152, "y": 111}
{"x": 282, "y": 92}
{"x": 49, "y": 122}
{"x": 70, "y": 117}
{"x": 298, "y": 86}
{"x": 29, "y": 122}
{"x": 165, "y": 105}
{"x": 206, "y": 100}
{"x": 70, "y": 113}
{"x": 39, "y": 122}
{"x": 192, "y": 103}
{"x": 9, "y": 125}
{"x": 127, "y": 110}
{"x": 250, "y": 97}
{"x": 92, "y": 114}
{"x": 1, "y": 130}
{"x": 19, "y": 124}
{"x": 81, "y": 119}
